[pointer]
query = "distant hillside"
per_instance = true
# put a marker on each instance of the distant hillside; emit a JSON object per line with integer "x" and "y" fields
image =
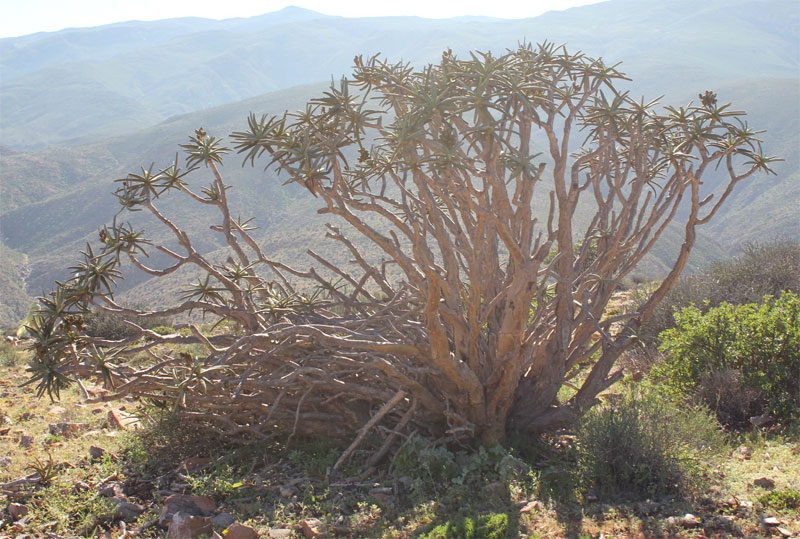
{"x": 77, "y": 85}
{"x": 53, "y": 199}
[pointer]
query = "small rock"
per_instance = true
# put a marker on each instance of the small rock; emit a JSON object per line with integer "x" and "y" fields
{"x": 312, "y": 528}
{"x": 743, "y": 453}
{"x": 760, "y": 421}
{"x": 26, "y": 441}
{"x": 530, "y": 506}
{"x": 80, "y": 486}
{"x": 111, "y": 489}
{"x": 185, "y": 526}
{"x": 784, "y": 532}
{"x": 57, "y": 410}
{"x": 16, "y": 511}
{"x": 690, "y": 521}
{"x": 280, "y": 533}
{"x": 287, "y": 490}
{"x": 96, "y": 452}
{"x": 67, "y": 430}
{"x": 188, "y": 505}
{"x": 5, "y": 431}
{"x": 764, "y": 482}
{"x": 381, "y": 493}
{"x": 721, "y": 522}
{"x": 223, "y": 520}
{"x": 770, "y": 521}
{"x": 240, "y": 531}
{"x": 127, "y": 510}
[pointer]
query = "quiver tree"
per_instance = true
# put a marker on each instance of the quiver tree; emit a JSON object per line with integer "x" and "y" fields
{"x": 507, "y": 196}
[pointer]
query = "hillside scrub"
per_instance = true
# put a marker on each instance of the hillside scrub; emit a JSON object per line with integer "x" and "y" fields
{"x": 758, "y": 270}
{"x": 741, "y": 360}
{"x": 465, "y": 177}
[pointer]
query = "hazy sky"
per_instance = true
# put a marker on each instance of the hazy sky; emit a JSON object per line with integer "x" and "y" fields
{"x": 20, "y": 17}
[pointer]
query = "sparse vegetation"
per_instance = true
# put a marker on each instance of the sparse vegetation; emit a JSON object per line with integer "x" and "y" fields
{"x": 643, "y": 445}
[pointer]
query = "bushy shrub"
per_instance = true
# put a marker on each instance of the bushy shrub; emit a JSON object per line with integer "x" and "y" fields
{"x": 456, "y": 476}
{"x": 759, "y": 344}
{"x": 644, "y": 445}
{"x": 9, "y": 357}
{"x": 490, "y": 526}
{"x": 113, "y": 327}
{"x": 759, "y": 270}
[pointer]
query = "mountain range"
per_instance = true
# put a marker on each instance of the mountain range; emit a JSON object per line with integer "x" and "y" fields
{"x": 82, "y": 107}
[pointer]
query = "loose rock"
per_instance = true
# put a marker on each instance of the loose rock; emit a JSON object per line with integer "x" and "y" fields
{"x": 111, "y": 489}
{"x": 764, "y": 482}
{"x": 240, "y": 531}
{"x": 312, "y": 528}
{"x": 223, "y": 520}
{"x": 16, "y": 511}
{"x": 127, "y": 510}
{"x": 26, "y": 441}
{"x": 96, "y": 452}
{"x": 188, "y": 505}
{"x": 770, "y": 521}
{"x": 280, "y": 533}
{"x": 67, "y": 430}
{"x": 188, "y": 526}
{"x": 690, "y": 521}
{"x": 530, "y": 506}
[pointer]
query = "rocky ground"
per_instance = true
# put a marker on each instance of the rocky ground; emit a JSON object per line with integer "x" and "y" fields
{"x": 83, "y": 468}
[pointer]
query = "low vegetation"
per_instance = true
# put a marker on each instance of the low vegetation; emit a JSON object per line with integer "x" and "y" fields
{"x": 650, "y": 460}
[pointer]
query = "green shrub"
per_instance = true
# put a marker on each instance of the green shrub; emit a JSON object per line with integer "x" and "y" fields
{"x": 781, "y": 499}
{"x": 491, "y": 526}
{"x": 8, "y": 356}
{"x": 759, "y": 344}
{"x": 113, "y": 327}
{"x": 644, "y": 445}
{"x": 759, "y": 270}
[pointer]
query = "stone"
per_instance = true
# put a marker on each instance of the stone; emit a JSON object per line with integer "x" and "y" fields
{"x": 80, "y": 486}
{"x": 280, "y": 533}
{"x": 240, "y": 531}
{"x": 96, "y": 452}
{"x": 67, "y": 430}
{"x": 381, "y": 493}
{"x": 784, "y": 532}
{"x": 57, "y": 410}
{"x": 312, "y": 527}
{"x": 761, "y": 421}
{"x": 530, "y": 506}
{"x": 16, "y": 511}
{"x": 26, "y": 441}
{"x": 223, "y": 520}
{"x": 111, "y": 489}
{"x": 184, "y": 526}
{"x": 200, "y": 506}
{"x": 770, "y": 521}
{"x": 127, "y": 510}
{"x": 690, "y": 521}
{"x": 764, "y": 482}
